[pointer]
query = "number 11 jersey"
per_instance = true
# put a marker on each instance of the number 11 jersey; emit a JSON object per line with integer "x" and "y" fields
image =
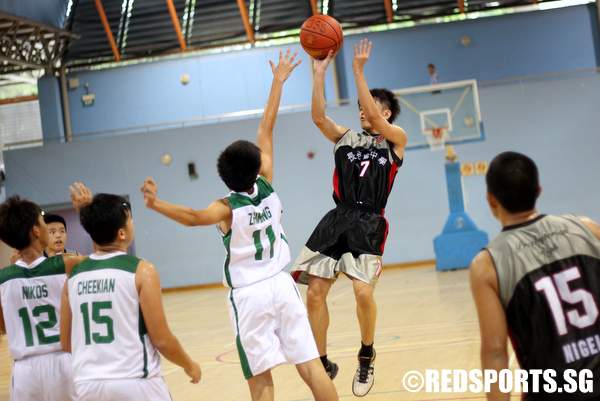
{"x": 256, "y": 245}
{"x": 549, "y": 281}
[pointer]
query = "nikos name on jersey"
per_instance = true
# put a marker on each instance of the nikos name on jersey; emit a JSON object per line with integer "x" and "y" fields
{"x": 96, "y": 286}
{"x": 582, "y": 348}
{"x": 257, "y": 218}
{"x": 35, "y": 291}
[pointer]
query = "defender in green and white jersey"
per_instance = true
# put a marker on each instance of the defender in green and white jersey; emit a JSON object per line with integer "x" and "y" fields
{"x": 267, "y": 314}
{"x": 30, "y": 291}
{"x": 256, "y": 245}
{"x": 112, "y": 315}
{"x": 106, "y": 309}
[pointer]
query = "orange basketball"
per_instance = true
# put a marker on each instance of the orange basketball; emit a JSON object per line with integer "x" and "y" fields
{"x": 319, "y": 34}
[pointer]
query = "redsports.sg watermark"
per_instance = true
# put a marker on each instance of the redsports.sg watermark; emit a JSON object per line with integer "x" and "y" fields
{"x": 518, "y": 380}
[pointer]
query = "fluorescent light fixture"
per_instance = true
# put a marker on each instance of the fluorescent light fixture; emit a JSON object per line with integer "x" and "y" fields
{"x": 562, "y": 3}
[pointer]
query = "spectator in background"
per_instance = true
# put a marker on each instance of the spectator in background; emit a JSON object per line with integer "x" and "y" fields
{"x": 433, "y": 75}
{"x": 57, "y": 228}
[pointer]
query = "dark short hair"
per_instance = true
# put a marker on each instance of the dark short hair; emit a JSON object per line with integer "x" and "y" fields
{"x": 17, "y": 218}
{"x": 514, "y": 181}
{"x": 239, "y": 164}
{"x": 104, "y": 217}
{"x": 388, "y": 99}
{"x": 55, "y": 218}
{"x": 430, "y": 65}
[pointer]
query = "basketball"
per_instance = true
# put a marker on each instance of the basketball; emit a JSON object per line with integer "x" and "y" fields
{"x": 319, "y": 34}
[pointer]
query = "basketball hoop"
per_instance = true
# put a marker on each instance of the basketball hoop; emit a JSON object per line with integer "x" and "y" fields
{"x": 436, "y": 137}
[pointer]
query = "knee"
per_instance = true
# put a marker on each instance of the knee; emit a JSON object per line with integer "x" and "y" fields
{"x": 364, "y": 295}
{"x": 316, "y": 296}
{"x": 260, "y": 382}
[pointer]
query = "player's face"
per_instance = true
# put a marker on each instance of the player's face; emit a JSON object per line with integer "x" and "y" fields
{"x": 364, "y": 123}
{"x": 58, "y": 237}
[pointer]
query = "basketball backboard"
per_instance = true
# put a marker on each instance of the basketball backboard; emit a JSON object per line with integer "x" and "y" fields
{"x": 450, "y": 108}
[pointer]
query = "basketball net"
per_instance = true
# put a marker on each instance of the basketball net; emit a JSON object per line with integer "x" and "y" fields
{"x": 436, "y": 137}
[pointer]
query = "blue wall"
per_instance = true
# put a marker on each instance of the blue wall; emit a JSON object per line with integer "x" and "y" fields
{"x": 553, "y": 120}
{"x": 502, "y": 47}
{"x": 149, "y": 94}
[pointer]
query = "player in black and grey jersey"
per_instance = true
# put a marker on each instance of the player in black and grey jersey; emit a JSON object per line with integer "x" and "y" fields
{"x": 350, "y": 238}
{"x": 537, "y": 282}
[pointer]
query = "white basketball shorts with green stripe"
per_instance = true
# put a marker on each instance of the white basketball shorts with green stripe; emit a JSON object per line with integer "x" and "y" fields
{"x": 271, "y": 325}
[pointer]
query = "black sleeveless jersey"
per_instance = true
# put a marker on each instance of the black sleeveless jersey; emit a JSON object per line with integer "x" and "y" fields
{"x": 549, "y": 281}
{"x": 365, "y": 169}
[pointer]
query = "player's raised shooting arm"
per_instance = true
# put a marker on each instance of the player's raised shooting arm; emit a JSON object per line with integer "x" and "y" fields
{"x": 65, "y": 319}
{"x": 264, "y": 139}
{"x": 326, "y": 125}
{"x": 391, "y": 132}
{"x": 492, "y": 319}
{"x": 216, "y": 212}
{"x": 148, "y": 284}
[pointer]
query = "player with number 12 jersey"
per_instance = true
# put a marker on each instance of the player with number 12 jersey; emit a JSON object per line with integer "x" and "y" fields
{"x": 30, "y": 306}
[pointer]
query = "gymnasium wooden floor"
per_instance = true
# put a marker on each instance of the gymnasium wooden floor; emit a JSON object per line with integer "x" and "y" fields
{"x": 426, "y": 320}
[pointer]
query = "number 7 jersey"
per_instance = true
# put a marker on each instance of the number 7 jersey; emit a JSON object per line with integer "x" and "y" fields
{"x": 256, "y": 245}
{"x": 30, "y": 299}
{"x": 109, "y": 340}
{"x": 549, "y": 281}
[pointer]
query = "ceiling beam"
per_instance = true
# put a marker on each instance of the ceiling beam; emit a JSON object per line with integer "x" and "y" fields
{"x": 176, "y": 25}
{"x": 313, "y": 7}
{"x": 389, "y": 11}
{"x": 109, "y": 34}
{"x": 8, "y": 18}
{"x": 246, "y": 20}
{"x": 30, "y": 45}
{"x": 22, "y": 63}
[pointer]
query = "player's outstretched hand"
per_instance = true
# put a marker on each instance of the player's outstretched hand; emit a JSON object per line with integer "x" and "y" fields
{"x": 285, "y": 66}
{"x": 320, "y": 66}
{"x": 149, "y": 190}
{"x": 194, "y": 372}
{"x": 362, "y": 51}
{"x": 80, "y": 195}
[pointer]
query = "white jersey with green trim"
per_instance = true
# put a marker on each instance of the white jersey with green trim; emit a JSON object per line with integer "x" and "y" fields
{"x": 256, "y": 245}
{"x": 108, "y": 334}
{"x": 30, "y": 298}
